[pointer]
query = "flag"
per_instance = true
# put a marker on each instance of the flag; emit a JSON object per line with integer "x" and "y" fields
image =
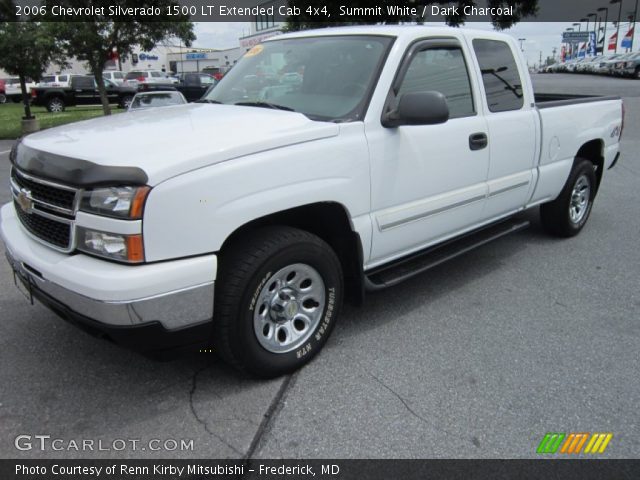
{"x": 582, "y": 50}
{"x": 613, "y": 41}
{"x": 627, "y": 39}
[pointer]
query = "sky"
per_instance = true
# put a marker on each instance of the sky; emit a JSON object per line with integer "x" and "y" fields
{"x": 540, "y": 36}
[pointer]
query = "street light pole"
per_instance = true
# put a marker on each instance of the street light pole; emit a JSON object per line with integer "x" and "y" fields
{"x": 618, "y": 24}
{"x": 604, "y": 34}
{"x": 521, "y": 40}
{"x": 635, "y": 17}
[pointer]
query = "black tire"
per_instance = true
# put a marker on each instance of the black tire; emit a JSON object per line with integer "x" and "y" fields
{"x": 125, "y": 102}
{"x": 55, "y": 105}
{"x": 3, "y": 98}
{"x": 244, "y": 271}
{"x": 637, "y": 73}
{"x": 556, "y": 215}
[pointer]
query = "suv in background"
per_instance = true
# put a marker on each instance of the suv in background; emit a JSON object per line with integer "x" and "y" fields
{"x": 137, "y": 77}
{"x": 61, "y": 80}
{"x": 115, "y": 76}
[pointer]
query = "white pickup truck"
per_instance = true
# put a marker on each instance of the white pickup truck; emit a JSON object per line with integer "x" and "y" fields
{"x": 325, "y": 164}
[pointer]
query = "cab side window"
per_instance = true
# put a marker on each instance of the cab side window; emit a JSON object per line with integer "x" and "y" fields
{"x": 441, "y": 69}
{"x": 500, "y": 76}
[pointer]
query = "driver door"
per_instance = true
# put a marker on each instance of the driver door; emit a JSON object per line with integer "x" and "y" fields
{"x": 428, "y": 181}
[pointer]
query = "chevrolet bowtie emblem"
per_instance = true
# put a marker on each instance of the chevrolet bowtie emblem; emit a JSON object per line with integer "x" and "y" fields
{"x": 25, "y": 201}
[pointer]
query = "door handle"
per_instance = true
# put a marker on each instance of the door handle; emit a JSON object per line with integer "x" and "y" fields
{"x": 478, "y": 141}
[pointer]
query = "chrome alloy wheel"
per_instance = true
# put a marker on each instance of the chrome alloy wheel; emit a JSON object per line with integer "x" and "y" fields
{"x": 579, "y": 199}
{"x": 56, "y": 106}
{"x": 289, "y": 308}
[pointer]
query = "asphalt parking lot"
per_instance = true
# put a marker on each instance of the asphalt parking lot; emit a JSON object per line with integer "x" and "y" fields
{"x": 478, "y": 358}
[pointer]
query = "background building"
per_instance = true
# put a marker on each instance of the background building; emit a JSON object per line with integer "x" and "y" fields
{"x": 261, "y": 28}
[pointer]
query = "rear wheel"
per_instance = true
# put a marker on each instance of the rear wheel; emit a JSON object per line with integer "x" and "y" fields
{"x": 3, "y": 98}
{"x": 568, "y": 214}
{"x": 278, "y": 295}
{"x": 55, "y": 105}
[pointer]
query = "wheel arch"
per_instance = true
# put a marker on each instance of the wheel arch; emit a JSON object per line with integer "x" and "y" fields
{"x": 331, "y": 222}
{"x": 593, "y": 151}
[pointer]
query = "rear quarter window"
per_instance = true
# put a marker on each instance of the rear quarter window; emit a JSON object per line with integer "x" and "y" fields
{"x": 500, "y": 76}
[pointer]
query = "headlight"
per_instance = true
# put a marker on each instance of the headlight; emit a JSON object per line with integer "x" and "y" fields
{"x": 125, "y": 248}
{"x": 119, "y": 202}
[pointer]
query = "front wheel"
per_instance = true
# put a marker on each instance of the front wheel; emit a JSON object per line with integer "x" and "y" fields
{"x": 568, "y": 214}
{"x": 278, "y": 295}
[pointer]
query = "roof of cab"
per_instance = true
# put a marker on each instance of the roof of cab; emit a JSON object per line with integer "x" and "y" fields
{"x": 399, "y": 31}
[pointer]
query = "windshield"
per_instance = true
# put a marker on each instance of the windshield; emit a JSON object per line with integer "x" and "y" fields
{"x": 324, "y": 78}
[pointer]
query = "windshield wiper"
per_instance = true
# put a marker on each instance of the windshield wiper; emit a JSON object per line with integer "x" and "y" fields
{"x": 206, "y": 100}
{"x": 274, "y": 106}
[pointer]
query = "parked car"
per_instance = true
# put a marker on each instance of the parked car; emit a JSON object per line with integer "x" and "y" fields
{"x": 3, "y": 96}
{"x": 115, "y": 76}
{"x": 605, "y": 64}
{"x": 245, "y": 224}
{"x": 82, "y": 91}
{"x": 627, "y": 66}
{"x": 138, "y": 77}
{"x": 145, "y": 100}
{"x": 589, "y": 65}
{"x": 13, "y": 92}
{"x": 192, "y": 85}
{"x": 575, "y": 65}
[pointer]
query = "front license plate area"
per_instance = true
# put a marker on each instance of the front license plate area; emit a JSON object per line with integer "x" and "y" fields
{"x": 21, "y": 280}
{"x": 24, "y": 285}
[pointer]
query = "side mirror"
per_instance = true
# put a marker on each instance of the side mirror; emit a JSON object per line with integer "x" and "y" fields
{"x": 418, "y": 108}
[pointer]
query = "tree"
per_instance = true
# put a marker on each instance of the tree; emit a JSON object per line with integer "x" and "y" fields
{"x": 521, "y": 9}
{"x": 27, "y": 50}
{"x": 95, "y": 38}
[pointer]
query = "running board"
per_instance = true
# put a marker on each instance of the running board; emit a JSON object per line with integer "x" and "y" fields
{"x": 417, "y": 263}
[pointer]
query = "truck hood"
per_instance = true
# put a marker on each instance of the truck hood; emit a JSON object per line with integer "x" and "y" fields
{"x": 173, "y": 140}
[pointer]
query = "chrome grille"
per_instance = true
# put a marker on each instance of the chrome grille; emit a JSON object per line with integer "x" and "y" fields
{"x": 47, "y": 193}
{"x": 45, "y": 209}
